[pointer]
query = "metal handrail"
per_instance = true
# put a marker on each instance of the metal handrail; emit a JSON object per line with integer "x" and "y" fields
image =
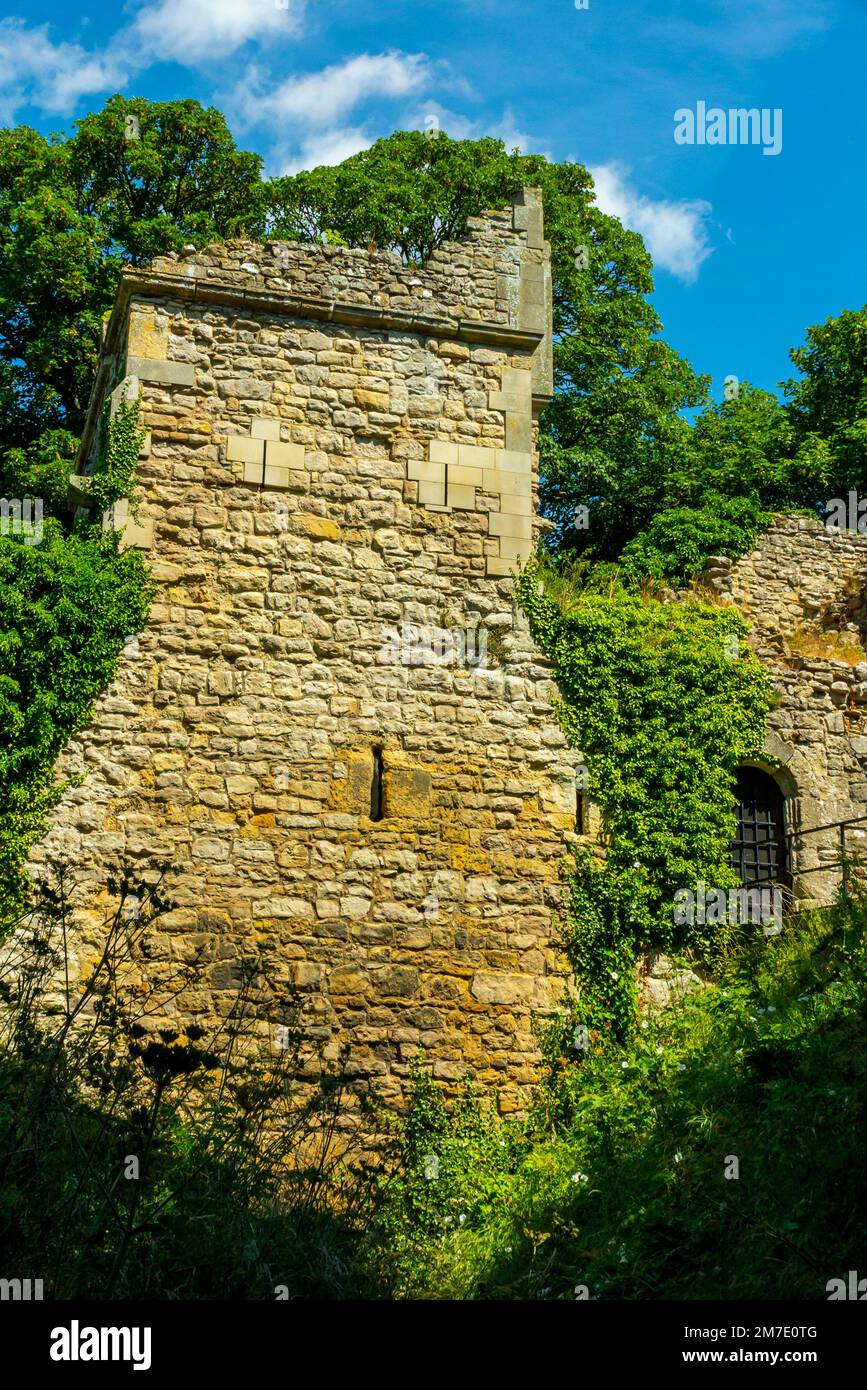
{"x": 788, "y": 835}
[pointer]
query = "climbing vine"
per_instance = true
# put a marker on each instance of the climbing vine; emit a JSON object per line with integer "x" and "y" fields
{"x": 66, "y": 607}
{"x": 121, "y": 438}
{"x": 664, "y": 700}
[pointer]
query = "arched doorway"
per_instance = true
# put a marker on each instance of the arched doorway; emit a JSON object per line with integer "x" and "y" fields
{"x": 758, "y": 852}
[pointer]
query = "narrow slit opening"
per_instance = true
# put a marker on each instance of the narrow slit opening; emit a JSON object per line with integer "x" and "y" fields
{"x": 376, "y": 786}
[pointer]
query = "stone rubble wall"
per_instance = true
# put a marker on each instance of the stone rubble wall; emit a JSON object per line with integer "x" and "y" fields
{"x": 340, "y": 462}
{"x": 806, "y": 580}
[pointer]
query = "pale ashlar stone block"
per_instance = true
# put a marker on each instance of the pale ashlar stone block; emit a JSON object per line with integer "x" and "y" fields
{"x": 148, "y": 334}
{"x": 516, "y": 506}
{"x": 498, "y": 567}
{"x": 506, "y": 401}
{"x": 514, "y": 548}
{"x": 519, "y": 433}
{"x": 240, "y": 448}
{"x": 423, "y": 471}
{"x": 276, "y": 476}
{"x": 279, "y": 455}
{"x": 434, "y": 493}
{"x": 518, "y": 381}
{"x": 137, "y": 535}
{"x": 514, "y": 460}
{"x": 503, "y": 524}
{"x": 253, "y": 473}
{"x": 460, "y": 473}
{"x": 517, "y": 484}
{"x": 462, "y": 496}
{"x": 164, "y": 373}
{"x": 475, "y": 455}
{"x": 441, "y": 451}
{"x": 262, "y": 428}
{"x": 496, "y": 480}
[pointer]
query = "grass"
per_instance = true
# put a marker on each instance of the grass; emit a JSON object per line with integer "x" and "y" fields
{"x": 719, "y": 1154}
{"x": 617, "y": 1185}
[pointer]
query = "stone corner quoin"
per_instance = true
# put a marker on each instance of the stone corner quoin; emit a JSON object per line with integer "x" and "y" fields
{"x": 339, "y": 476}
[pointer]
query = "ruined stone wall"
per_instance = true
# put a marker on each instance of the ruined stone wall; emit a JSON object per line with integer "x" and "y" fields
{"x": 339, "y": 474}
{"x": 802, "y": 588}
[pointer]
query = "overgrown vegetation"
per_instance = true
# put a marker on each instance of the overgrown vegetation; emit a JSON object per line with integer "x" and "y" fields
{"x": 716, "y": 1155}
{"x": 66, "y": 607}
{"x": 664, "y": 700}
{"x": 616, "y": 1186}
{"x": 137, "y": 1161}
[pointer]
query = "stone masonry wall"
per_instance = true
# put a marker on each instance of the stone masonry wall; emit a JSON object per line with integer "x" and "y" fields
{"x": 339, "y": 476}
{"x": 803, "y": 589}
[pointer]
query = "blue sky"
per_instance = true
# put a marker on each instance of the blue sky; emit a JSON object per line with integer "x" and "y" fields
{"x": 749, "y": 248}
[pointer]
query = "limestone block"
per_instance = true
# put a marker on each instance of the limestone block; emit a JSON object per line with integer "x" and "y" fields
{"x": 459, "y": 473}
{"x": 514, "y": 460}
{"x": 432, "y": 492}
{"x": 408, "y": 792}
{"x": 264, "y": 428}
{"x": 148, "y": 334}
{"x": 240, "y": 448}
{"x": 519, "y": 381}
{"x": 157, "y": 370}
{"x": 441, "y": 451}
{"x": 283, "y": 455}
{"x": 502, "y": 524}
{"x": 462, "y": 496}
{"x": 512, "y": 505}
{"x": 519, "y": 433}
{"x": 512, "y": 548}
{"x": 422, "y": 471}
{"x": 475, "y": 456}
{"x": 506, "y": 401}
{"x": 497, "y": 567}
{"x": 254, "y": 473}
{"x": 276, "y": 477}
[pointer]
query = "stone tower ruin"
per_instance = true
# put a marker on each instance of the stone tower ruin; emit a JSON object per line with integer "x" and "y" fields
{"x": 336, "y": 723}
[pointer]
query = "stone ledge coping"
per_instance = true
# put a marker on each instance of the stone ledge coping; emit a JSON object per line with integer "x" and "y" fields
{"x": 162, "y": 286}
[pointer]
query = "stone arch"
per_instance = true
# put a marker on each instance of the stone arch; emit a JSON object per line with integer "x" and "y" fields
{"x": 759, "y": 850}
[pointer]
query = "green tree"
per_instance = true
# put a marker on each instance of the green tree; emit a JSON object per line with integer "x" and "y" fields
{"x": 828, "y": 404}
{"x": 619, "y": 387}
{"x": 72, "y": 213}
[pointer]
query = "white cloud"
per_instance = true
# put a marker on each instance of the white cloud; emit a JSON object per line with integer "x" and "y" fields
{"x": 53, "y": 77}
{"x": 36, "y": 72}
{"x": 675, "y": 230}
{"x": 319, "y": 100}
{"x": 331, "y": 147}
{"x": 193, "y": 31}
{"x": 312, "y": 114}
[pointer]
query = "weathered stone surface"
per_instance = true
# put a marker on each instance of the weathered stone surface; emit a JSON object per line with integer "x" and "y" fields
{"x": 804, "y": 590}
{"x": 309, "y": 632}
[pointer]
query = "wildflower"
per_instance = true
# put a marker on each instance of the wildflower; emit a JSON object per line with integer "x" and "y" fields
{"x": 678, "y": 1158}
